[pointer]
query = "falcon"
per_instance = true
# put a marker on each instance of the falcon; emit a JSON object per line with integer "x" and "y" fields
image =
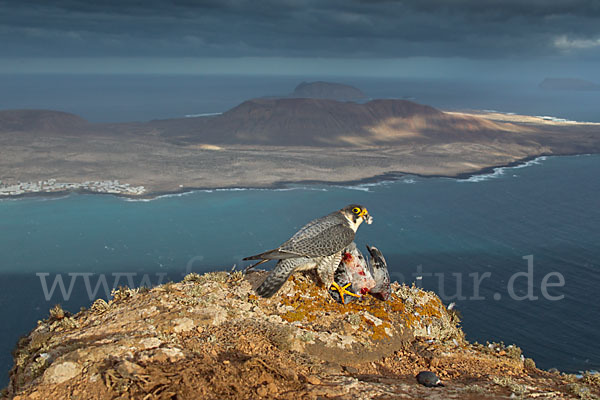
{"x": 318, "y": 244}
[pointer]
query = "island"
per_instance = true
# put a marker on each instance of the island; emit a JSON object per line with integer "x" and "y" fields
{"x": 568, "y": 84}
{"x": 328, "y": 90}
{"x": 272, "y": 142}
{"x": 211, "y": 337}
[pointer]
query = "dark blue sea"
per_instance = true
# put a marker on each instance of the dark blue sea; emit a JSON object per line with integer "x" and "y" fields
{"x": 517, "y": 250}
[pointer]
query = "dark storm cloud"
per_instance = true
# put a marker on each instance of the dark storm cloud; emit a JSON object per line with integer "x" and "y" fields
{"x": 303, "y": 28}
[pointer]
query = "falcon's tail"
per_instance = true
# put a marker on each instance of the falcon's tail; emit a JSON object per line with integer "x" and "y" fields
{"x": 275, "y": 254}
{"x": 277, "y": 277}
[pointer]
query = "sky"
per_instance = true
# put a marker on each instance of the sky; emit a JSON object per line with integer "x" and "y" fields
{"x": 338, "y": 37}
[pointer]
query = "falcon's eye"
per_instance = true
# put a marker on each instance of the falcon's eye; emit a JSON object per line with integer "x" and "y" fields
{"x": 356, "y": 210}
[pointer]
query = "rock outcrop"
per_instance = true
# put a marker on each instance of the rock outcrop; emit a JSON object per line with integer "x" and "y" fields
{"x": 210, "y": 337}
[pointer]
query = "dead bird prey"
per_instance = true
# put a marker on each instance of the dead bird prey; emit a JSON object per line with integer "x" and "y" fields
{"x": 355, "y": 277}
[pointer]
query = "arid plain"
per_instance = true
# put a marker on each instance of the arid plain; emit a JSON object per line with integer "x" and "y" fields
{"x": 272, "y": 142}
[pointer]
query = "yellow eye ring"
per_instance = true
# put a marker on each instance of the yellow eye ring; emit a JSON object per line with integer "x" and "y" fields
{"x": 356, "y": 210}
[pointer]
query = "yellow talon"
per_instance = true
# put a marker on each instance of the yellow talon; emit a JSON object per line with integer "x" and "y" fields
{"x": 343, "y": 290}
{"x": 334, "y": 285}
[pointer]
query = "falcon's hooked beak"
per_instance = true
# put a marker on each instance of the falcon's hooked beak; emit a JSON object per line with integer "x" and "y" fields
{"x": 364, "y": 214}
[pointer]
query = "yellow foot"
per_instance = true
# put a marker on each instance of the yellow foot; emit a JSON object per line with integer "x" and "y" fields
{"x": 343, "y": 290}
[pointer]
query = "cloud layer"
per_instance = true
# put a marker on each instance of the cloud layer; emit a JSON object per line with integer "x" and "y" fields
{"x": 474, "y": 29}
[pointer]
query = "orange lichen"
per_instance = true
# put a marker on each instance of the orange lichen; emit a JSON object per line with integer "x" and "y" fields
{"x": 379, "y": 331}
{"x": 292, "y": 316}
{"x": 310, "y": 305}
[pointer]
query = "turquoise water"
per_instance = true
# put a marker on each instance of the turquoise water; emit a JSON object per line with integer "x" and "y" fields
{"x": 450, "y": 228}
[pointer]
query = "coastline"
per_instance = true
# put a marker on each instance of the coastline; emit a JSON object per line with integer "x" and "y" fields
{"x": 156, "y": 163}
{"x": 390, "y": 176}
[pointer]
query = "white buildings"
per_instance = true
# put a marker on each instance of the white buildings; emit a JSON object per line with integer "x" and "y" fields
{"x": 51, "y": 185}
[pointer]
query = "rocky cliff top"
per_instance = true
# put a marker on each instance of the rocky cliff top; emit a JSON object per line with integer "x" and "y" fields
{"x": 211, "y": 337}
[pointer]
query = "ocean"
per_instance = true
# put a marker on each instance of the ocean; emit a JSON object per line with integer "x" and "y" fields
{"x": 518, "y": 249}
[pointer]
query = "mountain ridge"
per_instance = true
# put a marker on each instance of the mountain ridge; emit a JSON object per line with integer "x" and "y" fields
{"x": 39, "y": 120}
{"x": 283, "y": 122}
{"x": 325, "y": 122}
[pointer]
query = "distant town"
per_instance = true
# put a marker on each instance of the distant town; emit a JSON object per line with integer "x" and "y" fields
{"x": 51, "y": 185}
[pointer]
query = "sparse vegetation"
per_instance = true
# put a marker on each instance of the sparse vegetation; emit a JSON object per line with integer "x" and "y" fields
{"x": 99, "y": 306}
{"x": 474, "y": 389}
{"x": 193, "y": 278}
{"x": 235, "y": 276}
{"x": 57, "y": 313}
{"x": 500, "y": 349}
{"x": 592, "y": 379}
{"x": 282, "y": 337}
{"x": 580, "y": 390}
{"x": 354, "y": 319}
{"x": 122, "y": 293}
{"x": 307, "y": 336}
{"x": 529, "y": 363}
{"x": 516, "y": 388}
{"x": 196, "y": 292}
{"x": 169, "y": 287}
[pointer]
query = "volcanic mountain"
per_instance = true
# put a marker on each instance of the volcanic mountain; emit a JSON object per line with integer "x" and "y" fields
{"x": 39, "y": 121}
{"x": 322, "y": 122}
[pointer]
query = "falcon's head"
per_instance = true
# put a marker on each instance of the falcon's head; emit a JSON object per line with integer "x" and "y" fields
{"x": 356, "y": 214}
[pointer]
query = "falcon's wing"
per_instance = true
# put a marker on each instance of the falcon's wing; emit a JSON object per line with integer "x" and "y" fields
{"x": 317, "y": 225}
{"x": 298, "y": 245}
{"x": 320, "y": 241}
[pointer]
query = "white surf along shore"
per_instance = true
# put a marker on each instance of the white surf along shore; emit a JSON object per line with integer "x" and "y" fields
{"x": 138, "y": 193}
